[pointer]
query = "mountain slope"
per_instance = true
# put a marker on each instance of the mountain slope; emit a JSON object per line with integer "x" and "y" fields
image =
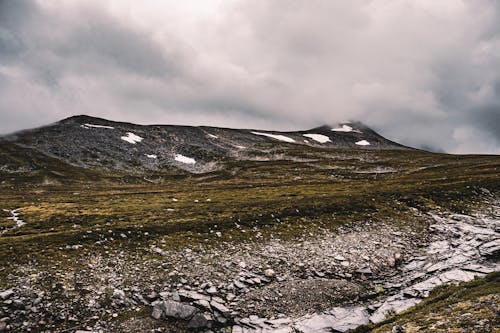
{"x": 98, "y": 143}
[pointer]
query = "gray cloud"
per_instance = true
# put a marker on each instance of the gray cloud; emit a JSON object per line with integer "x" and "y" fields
{"x": 421, "y": 72}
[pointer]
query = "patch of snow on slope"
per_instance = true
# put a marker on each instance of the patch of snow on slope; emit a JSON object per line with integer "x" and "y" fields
{"x": 151, "y": 156}
{"x": 344, "y": 128}
{"x": 318, "y": 137}
{"x": 275, "y": 136}
{"x": 184, "y": 159}
{"x": 363, "y": 143}
{"x": 132, "y": 138}
{"x": 98, "y": 126}
{"x": 213, "y": 136}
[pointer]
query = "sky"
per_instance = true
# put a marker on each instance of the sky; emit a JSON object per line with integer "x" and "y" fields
{"x": 421, "y": 72}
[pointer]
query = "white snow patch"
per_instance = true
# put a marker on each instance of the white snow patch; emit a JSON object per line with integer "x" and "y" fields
{"x": 132, "y": 138}
{"x": 275, "y": 136}
{"x": 184, "y": 159}
{"x": 213, "y": 136}
{"x": 241, "y": 147}
{"x": 97, "y": 126}
{"x": 152, "y": 156}
{"x": 15, "y": 218}
{"x": 318, "y": 137}
{"x": 344, "y": 128}
{"x": 363, "y": 143}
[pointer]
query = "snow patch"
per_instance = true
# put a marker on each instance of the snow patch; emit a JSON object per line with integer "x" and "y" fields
{"x": 96, "y": 126}
{"x": 213, "y": 136}
{"x": 363, "y": 143}
{"x": 241, "y": 147}
{"x": 132, "y": 138}
{"x": 184, "y": 159}
{"x": 318, "y": 137}
{"x": 344, "y": 128}
{"x": 152, "y": 156}
{"x": 275, "y": 136}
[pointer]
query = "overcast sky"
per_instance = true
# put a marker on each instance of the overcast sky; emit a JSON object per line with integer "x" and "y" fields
{"x": 422, "y": 72}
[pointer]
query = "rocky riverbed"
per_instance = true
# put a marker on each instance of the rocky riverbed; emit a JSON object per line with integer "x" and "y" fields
{"x": 325, "y": 280}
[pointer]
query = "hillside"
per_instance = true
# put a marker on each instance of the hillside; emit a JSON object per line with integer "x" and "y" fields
{"x": 278, "y": 236}
{"x": 98, "y": 143}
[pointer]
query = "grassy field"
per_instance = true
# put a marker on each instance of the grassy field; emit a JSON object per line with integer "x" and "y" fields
{"x": 65, "y": 205}
{"x": 108, "y": 220}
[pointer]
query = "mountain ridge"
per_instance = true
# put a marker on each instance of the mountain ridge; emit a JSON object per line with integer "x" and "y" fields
{"x": 92, "y": 142}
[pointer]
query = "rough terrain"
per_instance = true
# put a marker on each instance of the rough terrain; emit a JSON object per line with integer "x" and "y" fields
{"x": 298, "y": 238}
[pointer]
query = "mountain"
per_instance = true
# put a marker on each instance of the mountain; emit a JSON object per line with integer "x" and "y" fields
{"x": 90, "y": 142}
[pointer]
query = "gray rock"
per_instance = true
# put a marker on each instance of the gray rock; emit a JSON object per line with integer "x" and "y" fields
{"x": 198, "y": 321}
{"x": 490, "y": 249}
{"x": 119, "y": 294}
{"x": 269, "y": 273}
{"x": 157, "y": 312}
{"x": 192, "y": 296}
{"x": 177, "y": 310}
{"x": 219, "y": 307}
{"x": 6, "y": 294}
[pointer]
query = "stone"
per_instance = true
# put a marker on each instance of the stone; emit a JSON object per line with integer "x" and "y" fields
{"x": 219, "y": 307}
{"x": 157, "y": 312}
{"x": 397, "y": 329}
{"x": 390, "y": 306}
{"x": 6, "y": 294}
{"x": 212, "y": 290}
{"x": 118, "y": 294}
{"x": 177, "y": 310}
{"x": 269, "y": 273}
{"x": 186, "y": 295}
{"x": 490, "y": 249}
{"x": 198, "y": 321}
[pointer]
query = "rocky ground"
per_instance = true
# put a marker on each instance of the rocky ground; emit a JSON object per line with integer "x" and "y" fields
{"x": 323, "y": 280}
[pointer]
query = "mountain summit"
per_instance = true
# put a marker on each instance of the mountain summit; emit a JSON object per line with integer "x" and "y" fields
{"x": 90, "y": 142}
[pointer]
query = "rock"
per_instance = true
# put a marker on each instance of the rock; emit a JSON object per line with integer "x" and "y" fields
{"x": 17, "y": 304}
{"x": 398, "y": 329}
{"x": 185, "y": 295}
{"x": 242, "y": 264}
{"x": 204, "y": 304}
{"x": 3, "y": 326}
{"x": 490, "y": 249}
{"x": 198, "y": 321}
{"x": 219, "y": 307}
{"x": 365, "y": 271}
{"x": 269, "y": 273}
{"x": 157, "y": 312}
{"x": 212, "y": 290}
{"x": 391, "y": 306}
{"x": 177, "y": 310}
{"x": 340, "y": 258}
{"x": 119, "y": 294}
{"x": 6, "y": 294}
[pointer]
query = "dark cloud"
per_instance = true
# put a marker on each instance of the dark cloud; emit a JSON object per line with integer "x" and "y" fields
{"x": 422, "y": 72}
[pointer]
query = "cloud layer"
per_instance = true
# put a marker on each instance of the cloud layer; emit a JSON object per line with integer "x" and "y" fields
{"x": 422, "y": 72}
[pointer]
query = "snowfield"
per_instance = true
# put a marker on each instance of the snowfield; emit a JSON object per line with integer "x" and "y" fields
{"x": 184, "y": 159}
{"x": 318, "y": 137}
{"x": 97, "y": 126}
{"x": 132, "y": 138}
{"x": 363, "y": 143}
{"x": 275, "y": 136}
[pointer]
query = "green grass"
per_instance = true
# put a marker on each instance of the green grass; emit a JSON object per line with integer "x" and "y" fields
{"x": 450, "y": 308}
